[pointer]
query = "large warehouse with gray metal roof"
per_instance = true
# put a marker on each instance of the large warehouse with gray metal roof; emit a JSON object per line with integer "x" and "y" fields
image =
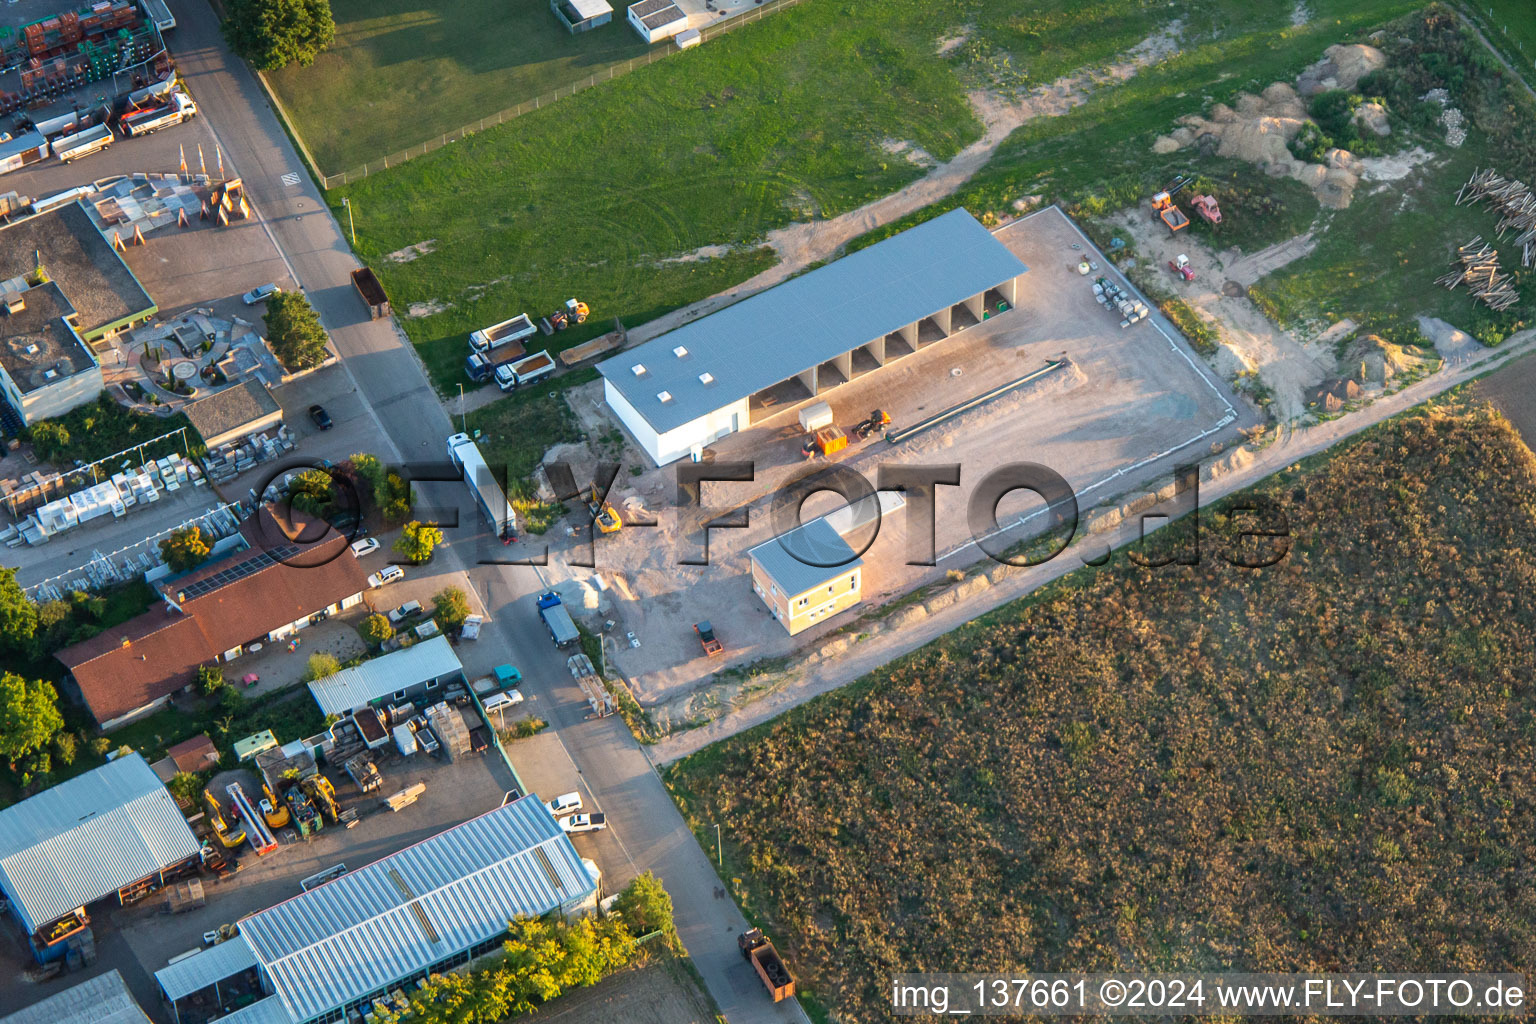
{"x": 429, "y": 908}
{"x": 114, "y": 831}
{"x": 769, "y": 353}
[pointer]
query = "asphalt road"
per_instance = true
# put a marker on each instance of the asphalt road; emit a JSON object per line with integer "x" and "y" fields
{"x": 409, "y": 416}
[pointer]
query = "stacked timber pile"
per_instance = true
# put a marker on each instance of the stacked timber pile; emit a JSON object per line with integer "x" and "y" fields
{"x": 1513, "y": 201}
{"x": 1478, "y": 268}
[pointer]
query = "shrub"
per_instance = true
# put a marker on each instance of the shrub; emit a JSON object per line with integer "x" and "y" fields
{"x": 375, "y": 629}
{"x": 321, "y": 666}
{"x": 450, "y": 607}
{"x": 294, "y": 331}
{"x": 185, "y": 549}
{"x": 210, "y": 678}
{"x": 417, "y": 541}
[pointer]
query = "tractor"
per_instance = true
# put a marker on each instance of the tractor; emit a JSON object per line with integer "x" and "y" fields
{"x": 1181, "y": 267}
{"x": 877, "y": 419}
{"x": 575, "y": 312}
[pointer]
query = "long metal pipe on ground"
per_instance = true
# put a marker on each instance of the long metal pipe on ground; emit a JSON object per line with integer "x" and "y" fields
{"x": 898, "y": 436}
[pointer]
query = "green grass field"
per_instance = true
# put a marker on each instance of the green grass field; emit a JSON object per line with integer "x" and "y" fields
{"x": 1511, "y": 26}
{"x": 778, "y": 122}
{"x": 403, "y": 71}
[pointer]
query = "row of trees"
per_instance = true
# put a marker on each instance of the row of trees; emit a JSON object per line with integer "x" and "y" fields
{"x": 543, "y": 959}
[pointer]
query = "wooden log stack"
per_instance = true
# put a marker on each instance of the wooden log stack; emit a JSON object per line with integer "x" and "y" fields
{"x": 1477, "y": 267}
{"x": 1513, "y": 201}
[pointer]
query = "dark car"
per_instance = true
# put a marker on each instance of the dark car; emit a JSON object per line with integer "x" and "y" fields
{"x": 320, "y": 416}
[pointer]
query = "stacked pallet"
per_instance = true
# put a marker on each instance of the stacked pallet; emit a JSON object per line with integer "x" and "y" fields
{"x": 1478, "y": 269}
{"x": 1513, "y": 201}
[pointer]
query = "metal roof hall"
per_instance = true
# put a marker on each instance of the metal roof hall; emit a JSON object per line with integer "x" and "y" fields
{"x": 86, "y": 838}
{"x": 382, "y": 923}
{"x": 377, "y": 678}
{"x": 808, "y": 320}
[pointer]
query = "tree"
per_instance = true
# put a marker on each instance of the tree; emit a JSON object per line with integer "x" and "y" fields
{"x": 321, "y": 666}
{"x": 50, "y": 440}
{"x": 397, "y": 503}
{"x": 371, "y": 474}
{"x": 65, "y": 746}
{"x": 294, "y": 330}
{"x": 29, "y": 716}
{"x": 272, "y": 34}
{"x": 375, "y": 629}
{"x": 417, "y": 539}
{"x": 186, "y": 787}
{"x": 450, "y": 608}
{"x": 313, "y": 491}
{"x": 185, "y": 549}
{"x": 18, "y": 616}
{"x": 646, "y": 907}
{"x": 209, "y": 678}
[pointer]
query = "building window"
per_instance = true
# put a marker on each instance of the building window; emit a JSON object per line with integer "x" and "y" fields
{"x": 399, "y": 695}
{"x": 829, "y": 588}
{"x": 803, "y": 602}
{"x": 431, "y": 684}
{"x": 853, "y": 582}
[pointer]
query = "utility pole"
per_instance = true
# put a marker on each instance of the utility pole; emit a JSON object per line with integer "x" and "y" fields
{"x": 719, "y": 854}
{"x": 350, "y": 226}
{"x": 463, "y": 416}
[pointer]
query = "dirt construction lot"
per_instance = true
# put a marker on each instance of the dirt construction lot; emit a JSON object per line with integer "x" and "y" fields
{"x": 1125, "y": 402}
{"x": 657, "y": 993}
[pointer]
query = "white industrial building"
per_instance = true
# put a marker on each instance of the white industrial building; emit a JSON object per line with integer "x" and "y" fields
{"x": 657, "y": 20}
{"x": 785, "y": 346}
{"x": 112, "y": 832}
{"x": 415, "y": 674}
{"x": 426, "y": 910}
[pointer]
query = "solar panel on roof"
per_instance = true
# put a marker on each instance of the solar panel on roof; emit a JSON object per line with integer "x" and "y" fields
{"x": 238, "y": 571}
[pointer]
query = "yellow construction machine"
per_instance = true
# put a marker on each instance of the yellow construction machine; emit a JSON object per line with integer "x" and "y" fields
{"x": 229, "y": 838}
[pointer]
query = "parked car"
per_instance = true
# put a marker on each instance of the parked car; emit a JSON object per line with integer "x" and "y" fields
{"x": 502, "y": 701}
{"x": 388, "y": 574}
{"x": 321, "y": 417}
{"x": 584, "y": 823}
{"x": 564, "y": 804}
{"x": 366, "y": 546}
{"x": 405, "y": 611}
{"x": 260, "y": 294}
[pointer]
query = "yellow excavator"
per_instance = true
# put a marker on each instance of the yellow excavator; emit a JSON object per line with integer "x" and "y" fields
{"x": 603, "y": 514}
{"x": 273, "y": 809}
{"x": 229, "y": 838}
{"x": 319, "y": 789}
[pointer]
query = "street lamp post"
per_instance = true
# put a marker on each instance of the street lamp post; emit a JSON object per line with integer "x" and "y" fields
{"x": 463, "y": 416}
{"x": 719, "y": 855}
{"x": 350, "y": 226}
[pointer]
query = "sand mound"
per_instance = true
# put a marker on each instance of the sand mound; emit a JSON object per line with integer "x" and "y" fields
{"x": 1230, "y": 362}
{"x": 1371, "y": 359}
{"x": 1330, "y": 395}
{"x": 1258, "y": 129}
{"x": 1342, "y": 67}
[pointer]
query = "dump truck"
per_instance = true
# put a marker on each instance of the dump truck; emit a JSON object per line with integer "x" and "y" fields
{"x": 561, "y": 629}
{"x": 524, "y": 371}
{"x": 509, "y": 332}
{"x": 707, "y": 639}
{"x": 482, "y": 366}
{"x": 1163, "y": 207}
{"x": 756, "y": 949}
{"x": 372, "y": 292}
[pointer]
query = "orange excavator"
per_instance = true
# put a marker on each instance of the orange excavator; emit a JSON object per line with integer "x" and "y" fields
{"x": 1163, "y": 207}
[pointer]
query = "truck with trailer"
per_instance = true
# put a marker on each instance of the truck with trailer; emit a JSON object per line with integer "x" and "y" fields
{"x": 368, "y": 287}
{"x": 509, "y": 332}
{"x": 69, "y": 148}
{"x": 489, "y": 496}
{"x": 523, "y": 371}
{"x": 756, "y": 949}
{"x": 561, "y": 629}
{"x": 177, "y": 108}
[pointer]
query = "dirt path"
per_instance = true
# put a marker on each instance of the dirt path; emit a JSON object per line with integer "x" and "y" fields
{"x": 1239, "y": 470}
{"x": 1288, "y": 366}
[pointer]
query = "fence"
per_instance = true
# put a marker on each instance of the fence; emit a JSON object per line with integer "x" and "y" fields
{"x": 329, "y": 181}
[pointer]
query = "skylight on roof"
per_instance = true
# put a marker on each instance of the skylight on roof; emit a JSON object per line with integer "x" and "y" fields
{"x": 638, "y": 369}
{"x": 664, "y": 396}
{"x": 680, "y": 351}
{"x": 706, "y": 378}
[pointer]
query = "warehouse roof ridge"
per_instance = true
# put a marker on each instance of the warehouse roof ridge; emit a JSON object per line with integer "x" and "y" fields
{"x": 772, "y": 336}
